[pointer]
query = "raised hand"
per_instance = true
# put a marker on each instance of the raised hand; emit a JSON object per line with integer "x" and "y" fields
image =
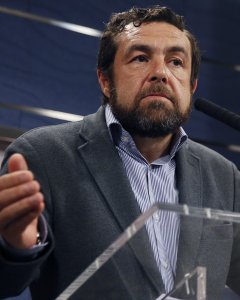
{"x": 21, "y": 203}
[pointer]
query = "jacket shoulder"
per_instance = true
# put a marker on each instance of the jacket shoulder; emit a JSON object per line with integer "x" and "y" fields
{"x": 207, "y": 155}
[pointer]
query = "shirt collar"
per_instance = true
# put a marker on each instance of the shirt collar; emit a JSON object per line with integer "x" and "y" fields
{"x": 118, "y": 133}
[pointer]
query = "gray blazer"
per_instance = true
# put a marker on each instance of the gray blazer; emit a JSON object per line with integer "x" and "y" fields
{"x": 89, "y": 202}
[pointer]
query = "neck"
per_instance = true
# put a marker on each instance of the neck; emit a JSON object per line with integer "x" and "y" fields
{"x": 153, "y": 148}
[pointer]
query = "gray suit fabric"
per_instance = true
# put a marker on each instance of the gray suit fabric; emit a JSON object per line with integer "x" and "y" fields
{"x": 89, "y": 202}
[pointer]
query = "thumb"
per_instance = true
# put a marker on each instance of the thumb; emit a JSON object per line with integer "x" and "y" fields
{"x": 17, "y": 163}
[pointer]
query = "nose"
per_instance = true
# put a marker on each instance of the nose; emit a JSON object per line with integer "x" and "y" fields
{"x": 159, "y": 72}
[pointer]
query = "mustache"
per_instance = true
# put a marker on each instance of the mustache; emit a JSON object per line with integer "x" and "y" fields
{"x": 156, "y": 88}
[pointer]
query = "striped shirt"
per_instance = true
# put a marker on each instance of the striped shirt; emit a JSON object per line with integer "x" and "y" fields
{"x": 153, "y": 183}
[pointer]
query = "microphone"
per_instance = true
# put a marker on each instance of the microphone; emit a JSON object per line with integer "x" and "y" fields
{"x": 218, "y": 112}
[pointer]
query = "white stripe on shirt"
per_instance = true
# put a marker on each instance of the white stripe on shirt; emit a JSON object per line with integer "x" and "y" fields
{"x": 152, "y": 183}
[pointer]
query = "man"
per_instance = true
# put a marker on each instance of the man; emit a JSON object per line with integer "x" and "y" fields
{"x": 72, "y": 189}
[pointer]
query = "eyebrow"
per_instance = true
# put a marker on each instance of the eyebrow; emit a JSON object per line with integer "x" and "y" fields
{"x": 176, "y": 49}
{"x": 149, "y": 49}
{"x": 138, "y": 47}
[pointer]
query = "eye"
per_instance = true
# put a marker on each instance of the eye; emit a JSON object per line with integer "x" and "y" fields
{"x": 140, "y": 58}
{"x": 177, "y": 62}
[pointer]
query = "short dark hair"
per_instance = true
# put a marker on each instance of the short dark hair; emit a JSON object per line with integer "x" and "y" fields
{"x": 138, "y": 16}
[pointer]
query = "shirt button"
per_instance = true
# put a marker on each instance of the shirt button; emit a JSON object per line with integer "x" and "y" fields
{"x": 156, "y": 216}
{"x": 165, "y": 264}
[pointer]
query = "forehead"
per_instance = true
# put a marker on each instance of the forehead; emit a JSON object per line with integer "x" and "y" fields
{"x": 156, "y": 34}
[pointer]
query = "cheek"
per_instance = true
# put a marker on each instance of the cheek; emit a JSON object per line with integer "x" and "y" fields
{"x": 181, "y": 83}
{"x": 180, "y": 75}
{"x": 185, "y": 98}
{"x": 134, "y": 73}
{"x": 182, "y": 91}
{"x": 129, "y": 83}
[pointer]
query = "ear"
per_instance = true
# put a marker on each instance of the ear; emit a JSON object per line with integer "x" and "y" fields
{"x": 194, "y": 86}
{"x": 104, "y": 83}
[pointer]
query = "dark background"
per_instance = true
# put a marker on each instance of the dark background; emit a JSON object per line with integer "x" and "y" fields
{"x": 49, "y": 67}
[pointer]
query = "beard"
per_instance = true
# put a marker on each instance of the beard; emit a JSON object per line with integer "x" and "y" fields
{"x": 153, "y": 120}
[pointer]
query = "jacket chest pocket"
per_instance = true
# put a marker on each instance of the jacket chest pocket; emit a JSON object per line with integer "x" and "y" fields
{"x": 217, "y": 231}
{"x": 215, "y": 252}
{"x": 216, "y": 243}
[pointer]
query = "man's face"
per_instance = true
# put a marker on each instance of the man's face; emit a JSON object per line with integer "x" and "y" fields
{"x": 150, "y": 91}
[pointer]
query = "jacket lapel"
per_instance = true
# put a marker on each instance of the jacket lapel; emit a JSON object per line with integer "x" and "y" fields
{"x": 190, "y": 193}
{"x": 104, "y": 164}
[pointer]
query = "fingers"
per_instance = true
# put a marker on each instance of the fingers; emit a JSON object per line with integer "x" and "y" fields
{"x": 18, "y": 225}
{"x": 21, "y": 224}
{"x": 18, "y": 184}
{"x": 16, "y": 163}
{"x": 15, "y": 193}
{"x": 15, "y": 179}
{"x": 21, "y": 213}
{"x": 21, "y": 203}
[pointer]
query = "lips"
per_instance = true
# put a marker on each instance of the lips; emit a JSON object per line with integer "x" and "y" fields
{"x": 158, "y": 90}
{"x": 156, "y": 95}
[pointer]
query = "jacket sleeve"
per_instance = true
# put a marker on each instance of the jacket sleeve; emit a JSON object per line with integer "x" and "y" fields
{"x": 16, "y": 274}
{"x": 234, "y": 270}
